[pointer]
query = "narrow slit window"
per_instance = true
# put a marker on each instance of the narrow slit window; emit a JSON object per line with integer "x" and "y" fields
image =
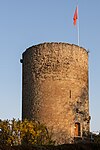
{"x": 70, "y": 94}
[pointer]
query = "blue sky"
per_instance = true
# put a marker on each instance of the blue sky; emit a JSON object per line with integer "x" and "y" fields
{"x": 24, "y": 23}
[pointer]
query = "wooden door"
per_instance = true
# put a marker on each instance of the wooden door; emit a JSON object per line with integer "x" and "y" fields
{"x": 77, "y": 129}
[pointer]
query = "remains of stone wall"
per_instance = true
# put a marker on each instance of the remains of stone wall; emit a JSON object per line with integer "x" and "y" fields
{"x": 55, "y": 89}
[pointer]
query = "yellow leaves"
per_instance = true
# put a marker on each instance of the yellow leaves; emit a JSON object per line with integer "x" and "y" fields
{"x": 23, "y": 132}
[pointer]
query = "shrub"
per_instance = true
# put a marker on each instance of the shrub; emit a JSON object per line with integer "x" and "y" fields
{"x": 24, "y": 132}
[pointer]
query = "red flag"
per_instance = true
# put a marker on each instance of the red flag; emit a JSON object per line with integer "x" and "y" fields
{"x": 75, "y": 16}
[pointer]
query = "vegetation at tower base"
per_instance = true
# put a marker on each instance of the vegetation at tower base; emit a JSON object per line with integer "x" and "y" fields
{"x": 31, "y": 135}
{"x": 23, "y": 133}
{"x": 96, "y": 137}
{"x": 52, "y": 147}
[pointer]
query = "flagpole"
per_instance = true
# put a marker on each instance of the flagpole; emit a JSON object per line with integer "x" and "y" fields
{"x": 78, "y": 36}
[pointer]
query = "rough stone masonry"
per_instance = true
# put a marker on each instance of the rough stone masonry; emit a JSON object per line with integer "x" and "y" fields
{"x": 55, "y": 89}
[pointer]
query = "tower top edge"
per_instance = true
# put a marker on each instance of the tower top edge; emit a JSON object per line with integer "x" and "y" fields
{"x": 54, "y": 43}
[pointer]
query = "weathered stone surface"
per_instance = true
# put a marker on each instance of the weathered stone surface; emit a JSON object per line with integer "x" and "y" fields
{"x": 55, "y": 88}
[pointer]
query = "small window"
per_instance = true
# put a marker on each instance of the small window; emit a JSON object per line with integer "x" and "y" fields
{"x": 70, "y": 93}
{"x": 77, "y": 129}
{"x": 77, "y": 110}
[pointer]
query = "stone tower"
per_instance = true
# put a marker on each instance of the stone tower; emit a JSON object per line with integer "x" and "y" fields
{"x": 55, "y": 89}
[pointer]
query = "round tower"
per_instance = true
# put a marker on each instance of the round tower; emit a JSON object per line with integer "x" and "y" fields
{"x": 55, "y": 89}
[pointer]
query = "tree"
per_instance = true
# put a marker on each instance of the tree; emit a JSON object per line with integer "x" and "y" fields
{"x": 96, "y": 137}
{"x": 23, "y": 132}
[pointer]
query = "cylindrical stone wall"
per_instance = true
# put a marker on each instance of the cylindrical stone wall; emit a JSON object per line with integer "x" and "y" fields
{"x": 55, "y": 89}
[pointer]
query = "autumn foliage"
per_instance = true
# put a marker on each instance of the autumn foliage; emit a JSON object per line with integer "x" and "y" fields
{"x": 23, "y": 132}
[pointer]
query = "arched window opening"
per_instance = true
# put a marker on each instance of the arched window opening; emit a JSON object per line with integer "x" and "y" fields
{"x": 77, "y": 129}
